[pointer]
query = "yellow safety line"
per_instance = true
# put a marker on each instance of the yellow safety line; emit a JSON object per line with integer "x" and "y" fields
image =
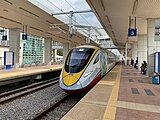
{"x": 111, "y": 106}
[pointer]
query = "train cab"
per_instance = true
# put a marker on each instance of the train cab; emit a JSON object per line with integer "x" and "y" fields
{"x": 83, "y": 68}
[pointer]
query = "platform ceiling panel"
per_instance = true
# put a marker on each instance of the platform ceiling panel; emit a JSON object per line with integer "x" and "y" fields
{"x": 114, "y": 14}
{"x": 148, "y": 9}
{"x": 16, "y": 14}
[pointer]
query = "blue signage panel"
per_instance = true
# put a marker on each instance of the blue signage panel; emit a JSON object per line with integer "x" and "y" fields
{"x": 8, "y": 58}
{"x": 24, "y": 36}
{"x": 132, "y": 32}
{"x": 4, "y": 37}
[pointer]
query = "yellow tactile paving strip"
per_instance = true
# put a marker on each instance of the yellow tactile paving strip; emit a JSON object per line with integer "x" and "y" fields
{"x": 111, "y": 106}
{"x": 27, "y": 71}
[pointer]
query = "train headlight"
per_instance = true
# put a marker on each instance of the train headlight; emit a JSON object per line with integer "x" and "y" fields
{"x": 87, "y": 73}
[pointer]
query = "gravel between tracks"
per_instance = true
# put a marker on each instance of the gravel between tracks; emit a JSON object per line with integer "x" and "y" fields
{"x": 63, "y": 108}
{"x": 27, "y": 107}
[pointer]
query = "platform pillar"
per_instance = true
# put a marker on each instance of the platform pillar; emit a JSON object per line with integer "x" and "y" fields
{"x": 48, "y": 50}
{"x": 14, "y": 44}
{"x": 65, "y": 50}
{"x": 134, "y": 51}
{"x": 152, "y": 44}
{"x": 71, "y": 46}
{"x": 53, "y": 56}
{"x": 142, "y": 49}
{"x": 126, "y": 48}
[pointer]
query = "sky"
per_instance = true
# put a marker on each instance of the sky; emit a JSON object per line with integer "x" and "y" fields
{"x": 81, "y": 19}
{"x": 61, "y": 6}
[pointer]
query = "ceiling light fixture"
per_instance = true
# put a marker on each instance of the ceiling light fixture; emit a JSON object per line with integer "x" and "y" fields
{"x": 102, "y": 5}
{"x": 108, "y": 19}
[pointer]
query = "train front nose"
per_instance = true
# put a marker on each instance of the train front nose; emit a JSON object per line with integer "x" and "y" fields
{"x": 70, "y": 82}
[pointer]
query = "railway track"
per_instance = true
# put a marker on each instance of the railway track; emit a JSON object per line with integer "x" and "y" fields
{"x": 50, "y": 108}
{"x": 14, "y": 94}
{"x": 44, "y": 99}
{"x": 61, "y": 108}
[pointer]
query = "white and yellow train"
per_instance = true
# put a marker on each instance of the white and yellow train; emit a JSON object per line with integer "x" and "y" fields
{"x": 84, "y": 67}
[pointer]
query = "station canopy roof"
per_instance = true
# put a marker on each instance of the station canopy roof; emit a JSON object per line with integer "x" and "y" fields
{"x": 114, "y": 15}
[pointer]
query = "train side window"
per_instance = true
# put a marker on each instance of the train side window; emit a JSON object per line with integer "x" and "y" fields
{"x": 96, "y": 60}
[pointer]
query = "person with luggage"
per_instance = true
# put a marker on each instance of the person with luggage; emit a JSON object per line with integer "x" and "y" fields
{"x": 145, "y": 67}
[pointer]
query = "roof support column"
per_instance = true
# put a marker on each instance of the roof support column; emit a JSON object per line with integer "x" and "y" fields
{"x": 71, "y": 46}
{"x": 48, "y": 50}
{"x": 65, "y": 50}
{"x": 142, "y": 49}
{"x": 14, "y": 44}
{"x": 53, "y": 55}
{"x": 152, "y": 45}
{"x": 134, "y": 51}
{"x": 126, "y": 48}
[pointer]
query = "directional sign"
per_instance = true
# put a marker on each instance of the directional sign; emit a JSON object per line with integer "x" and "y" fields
{"x": 4, "y": 37}
{"x": 132, "y": 32}
{"x": 24, "y": 36}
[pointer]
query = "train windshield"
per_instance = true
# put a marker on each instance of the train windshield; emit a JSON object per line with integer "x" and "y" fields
{"x": 77, "y": 59}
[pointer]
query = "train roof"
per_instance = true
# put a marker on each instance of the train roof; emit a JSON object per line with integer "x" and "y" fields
{"x": 87, "y": 46}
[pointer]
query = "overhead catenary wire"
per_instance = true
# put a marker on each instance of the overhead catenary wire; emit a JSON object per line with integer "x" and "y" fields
{"x": 78, "y": 13}
{"x": 61, "y": 11}
{"x": 83, "y": 17}
{"x": 58, "y": 8}
{"x": 64, "y": 12}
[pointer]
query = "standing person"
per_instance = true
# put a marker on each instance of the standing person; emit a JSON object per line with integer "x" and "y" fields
{"x": 132, "y": 62}
{"x": 142, "y": 68}
{"x": 145, "y": 67}
{"x": 123, "y": 60}
{"x": 136, "y": 64}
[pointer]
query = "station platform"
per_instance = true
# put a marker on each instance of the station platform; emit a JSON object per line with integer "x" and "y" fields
{"x": 6, "y": 75}
{"x": 123, "y": 94}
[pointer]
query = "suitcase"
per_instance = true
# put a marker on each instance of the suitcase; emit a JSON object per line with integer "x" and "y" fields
{"x": 155, "y": 79}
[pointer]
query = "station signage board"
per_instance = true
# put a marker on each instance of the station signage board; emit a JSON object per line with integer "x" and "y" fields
{"x": 4, "y": 37}
{"x": 24, "y": 36}
{"x": 8, "y": 59}
{"x": 132, "y": 32}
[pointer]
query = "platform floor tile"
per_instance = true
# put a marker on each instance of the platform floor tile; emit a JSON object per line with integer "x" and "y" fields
{"x": 79, "y": 113}
{"x": 130, "y": 114}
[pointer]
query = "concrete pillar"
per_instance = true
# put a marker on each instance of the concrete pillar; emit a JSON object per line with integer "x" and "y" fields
{"x": 134, "y": 51}
{"x": 126, "y": 53}
{"x": 21, "y": 53}
{"x": 65, "y": 50}
{"x": 14, "y": 44}
{"x": 48, "y": 50}
{"x": 151, "y": 44}
{"x": 53, "y": 56}
{"x": 71, "y": 46}
{"x": 129, "y": 52}
{"x": 142, "y": 49}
